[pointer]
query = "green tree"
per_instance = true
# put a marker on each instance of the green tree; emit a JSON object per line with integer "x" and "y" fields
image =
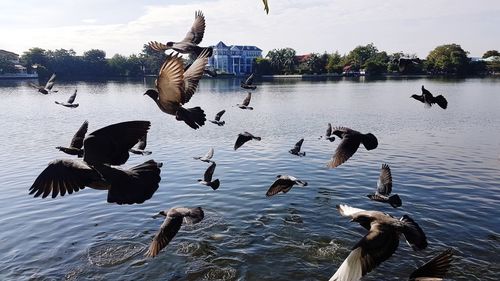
{"x": 262, "y": 66}
{"x": 491, "y": 53}
{"x": 335, "y": 63}
{"x": 152, "y": 60}
{"x": 6, "y": 65}
{"x": 448, "y": 59}
{"x": 34, "y": 56}
{"x": 95, "y": 63}
{"x": 118, "y": 65}
{"x": 315, "y": 64}
{"x": 282, "y": 60}
{"x": 361, "y": 54}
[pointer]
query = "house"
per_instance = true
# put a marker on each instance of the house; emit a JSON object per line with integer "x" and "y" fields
{"x": 19, "y": 71}
{"x": 234, "y": 59}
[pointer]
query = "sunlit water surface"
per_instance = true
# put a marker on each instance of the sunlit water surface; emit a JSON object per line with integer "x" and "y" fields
{"x": 445, "y": 165}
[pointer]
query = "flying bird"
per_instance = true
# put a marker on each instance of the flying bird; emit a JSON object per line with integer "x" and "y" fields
{"x": 207, "y": 177}
{"x": 284, "y": 183}
{"x": 296, "y": 149}
{"x": 243, "y": 138}
{"x": 48, "y": 86}
{"x": 248, "y": 83}
{"x": 246, "y": 102}
{"x": 141, "y": 145}
{"x": 169, "y": 228}
{"x": 379, "y": 243}
{"x": 328, "y": 134}
{"x": 384, "y": 188}
{"x": 266, "y": 6}
{"x": 70, "y": 101}
{"x": 435, "y": 269}
{"x": 188, "y": 45}
{"x": 208, "y": 157}
{"x": 351, "y": 140}
{"x": 428, "y": 99}
{"x": 217, "y": 118}
{"x": 405, "y": 63}
{"x": 174, "y": 88}
{"x": 75, "y": 147}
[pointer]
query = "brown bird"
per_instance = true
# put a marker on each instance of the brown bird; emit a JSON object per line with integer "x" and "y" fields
{"x": 141, "y": 145}
{"x": 266, "y": 6}
{"x": 328, "y": 134}
{"x": 284, "y": 183}
{"x": 48, "y": 86}
{"x": 75, "y": 147}
{"x": 243, "y": 138}
{"x": 246, "y": 102}
{"x": 296, "y": 149}
{"x": 207, "y": 177}
{"x": 248, "y": 83}
{"x": 70, "y": 101}
{"x": 217, "y": 118}
{"x": 171, "y": 225}
{"x": 435, "y": 269}
{"x": 174, "y": 88}
{"x": 379, "y": 243}
{"x": 384, "y": 189}
{"x": 428, "y": 99}
{"x": 350, "y": 142}
{"x": 188, "y": 45}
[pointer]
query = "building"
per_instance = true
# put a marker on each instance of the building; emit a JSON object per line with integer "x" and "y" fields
{"x": 19, "y": 70}
{"x": 234, "y": 59}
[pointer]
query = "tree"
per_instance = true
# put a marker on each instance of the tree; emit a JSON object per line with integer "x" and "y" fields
{"x": 376, "y": 64}
{"x": 118, "y": 65}
{"x": 448, "y": 59}
{"x": 491, "y": 53}
{"x": 95, "y": 63}
{"x": 6, "y": 65}
{"x": 335, "y": 63}
{"x": 262, "y": 66}
{"x": 34, "y": 56}
{"x": 282, "y": 60}
{"x": 315, "y": 64}
{"x": 361, "y": 54}
{"x": 152, "y": 60}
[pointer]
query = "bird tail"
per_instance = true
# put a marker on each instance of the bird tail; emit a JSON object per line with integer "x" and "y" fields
{"x": 414, "y": 235}
{"x": 395, "y": 201}
{"x": 441, "y": 101}
{"x": 214, "y": 184}
{"x": 370, "y": 141}
{"x": 193, "y": 117}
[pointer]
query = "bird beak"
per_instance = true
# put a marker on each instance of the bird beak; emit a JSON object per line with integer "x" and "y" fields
{"x": 162, "y": 213}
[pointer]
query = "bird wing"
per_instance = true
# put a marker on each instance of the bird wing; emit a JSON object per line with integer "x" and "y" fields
{"x": 298, "y": 145}
{"x": 328, "y": 130}
{"x": 414, "y": 235}
{"x": 347, "y": 147}
{"x": 249, "y": 80}
{"x": 193, "y": 75}
{"x": 190, "y": 215}
{"x": 348, "y": 211}
{"x": 219, "y": 115}
{"x": 167, "y": 232}
{"x": 157, "y": 46}
{"x": 384, "y": 184}
{"x": 64, "y": 176}
{"x": 435, "y": 268}
{"x": 342, "y": 131}
{"x": 51, "y": 82}
{"x": 242, "y": 138}
{"x": 142, "y": 142}
{"x": 170, "y": 81}
{"x": 209, "y": 172}
{"x": 72, "y": 97}
{"x": 77, "y": 140}
{"x": 209, "y": 154}
{"x": 266, "y": 6}
{"x": 195, "y": 35}
{"x": 246, "y": 101}
{"x": 34, "y": 86}
{"x": 111, "y": 144}
{"x": 279, "y": 185}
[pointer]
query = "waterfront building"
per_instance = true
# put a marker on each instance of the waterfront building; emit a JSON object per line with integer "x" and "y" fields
{"x": 234, "y": 59}
{"x": 20, "y": 71}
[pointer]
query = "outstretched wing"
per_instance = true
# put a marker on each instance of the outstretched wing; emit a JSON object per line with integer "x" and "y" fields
{"x": 167, "y": 232}
{"x": 51, "y": 82}
{"x": 193, "y": 75}
{"x": 435, "y": 268}
{"x": 298, "y": 145}
{"x": 266, "y": 6}
{"x": 195, "y": 35}
{"x": 384, "y": 184}
{"x": 347, "y": 147}
{"x": 170, "y": 82}
{"x": 328, "y": 130}
{"x": 249, "y": 80}
{"x": 142, "y": 142}
{"x": 219, "y": 115}
{"x": 209, "y": 172}
{"x": 246, "y": 101}
{"x": 157, "y": 46}
{"x": 72, "y": 97}
{"x": 279, "y": 185}
{"x": 209, "y": 154}
{"x": 77, "y": 140}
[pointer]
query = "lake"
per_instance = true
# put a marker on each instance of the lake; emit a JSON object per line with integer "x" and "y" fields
{"x": 445, "y": 167}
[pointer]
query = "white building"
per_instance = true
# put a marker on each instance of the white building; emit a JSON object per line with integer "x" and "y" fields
{"x": 235, "y": 59}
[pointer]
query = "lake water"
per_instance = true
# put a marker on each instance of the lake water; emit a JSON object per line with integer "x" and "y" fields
{"x": 445, "y": 166}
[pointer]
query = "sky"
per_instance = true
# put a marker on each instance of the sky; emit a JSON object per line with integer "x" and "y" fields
{"x": 124, "y": 26}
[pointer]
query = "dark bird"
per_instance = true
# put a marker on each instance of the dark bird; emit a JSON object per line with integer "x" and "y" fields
{"x": 217, "y": 118}
{"x": 171, "y": 225}
{"x": 103, "y": 148}
{"x": 284, "y": 183}
{"x": 174, "y": 87}
{"x": 207, "y": 177}
{"x": 243, "y": 138}
{"x": 246, "y": 102}
{"x": 350, "y": 142}
{"x": 248, "y": 83}
{"x": 406, "y": 63}
{"x": 328, "y": 134}
{"x": 48, "y": 86}
{"x": 266, "y": 6}
{"x": 384, "y": 189}
{"x": 379, "y": 243}
{"x": 296, "y": 149}
{"x": 188, "y": 45}
{"x": 208, "y": 157}
{"x": 435, "y": 269}
{"x": 428, "y": 99}
{"x": 70, "y": 101}
{"x": 75, "y": 147}
{"x": 141, "y": 145}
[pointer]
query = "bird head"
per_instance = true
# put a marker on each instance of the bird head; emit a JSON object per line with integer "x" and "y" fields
{"x": 162, "y": 213}
{"x": 152, "y": 94}
{"x": 278, "y": 176}
{"x": 170, "y": 44}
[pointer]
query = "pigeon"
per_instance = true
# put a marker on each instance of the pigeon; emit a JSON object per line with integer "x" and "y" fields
{"x": 174, "y": 87}
{"x": 75, "y": 147}
{"x": 70, "y": 101}
{"x": 266, "y": 6}
{"x": 141, "y": 145}
{"x": 48, "y": 86}
{"x": 328, "y": 134}
{"x": 384, "y": 189}
{"x": 207, "y": 177}
{"x": 428, "y": 99}
{"x": 248, "y": 83}
{"x": 246, "y": 102}
{"x": 284, "y": 183}
{"x": 188, "y": 45}
{"x": 379, "y": 243}
{"x": 296, "y": 149}
{"x": 207, "y": 158}
{"x": 350, "y": 142}
{"x": 435, "y": 269}
{"x": 243, "y": 138}
{"x": 171, "y": 225}
{"x": 217, "y": 118}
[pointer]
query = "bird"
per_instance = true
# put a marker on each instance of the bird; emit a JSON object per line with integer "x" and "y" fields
{"x": 328, "y": 134}
{"x": 296, "y": 149}
{"x": 243, "y": 138}
{"x": 379, "y": 243}
{"x": 103, "y": 149}
{"x": 384, "y": 189}
{"x": 207, "y": 177}
{"x": 141, "y": 145}
{"x": 210, "y": 71}
{"x": 248, "y": 83}
{"x": 404, "y": 63}
{"x": 246, "y": 102}
{"x": 169, "y": 228}
{"x": 70, "y": 101}
{"x": 435, "y": 269}
{"x": 351, "y": 140}
{"x": 207, "y": 158}
{"x": 284, "y": 183}
{"x": 188, "y": 45}
{"x": 266, "y": 6}
{"x": 48, "y": 86}
{"x": 75, "y": 147}
{"x": 174, "y": 87}
{"x": 217, "y": 118}
{"x": 428, "y": 99}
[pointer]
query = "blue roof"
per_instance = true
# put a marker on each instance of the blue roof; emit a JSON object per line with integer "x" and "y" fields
{"x": 221, "y": 45}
